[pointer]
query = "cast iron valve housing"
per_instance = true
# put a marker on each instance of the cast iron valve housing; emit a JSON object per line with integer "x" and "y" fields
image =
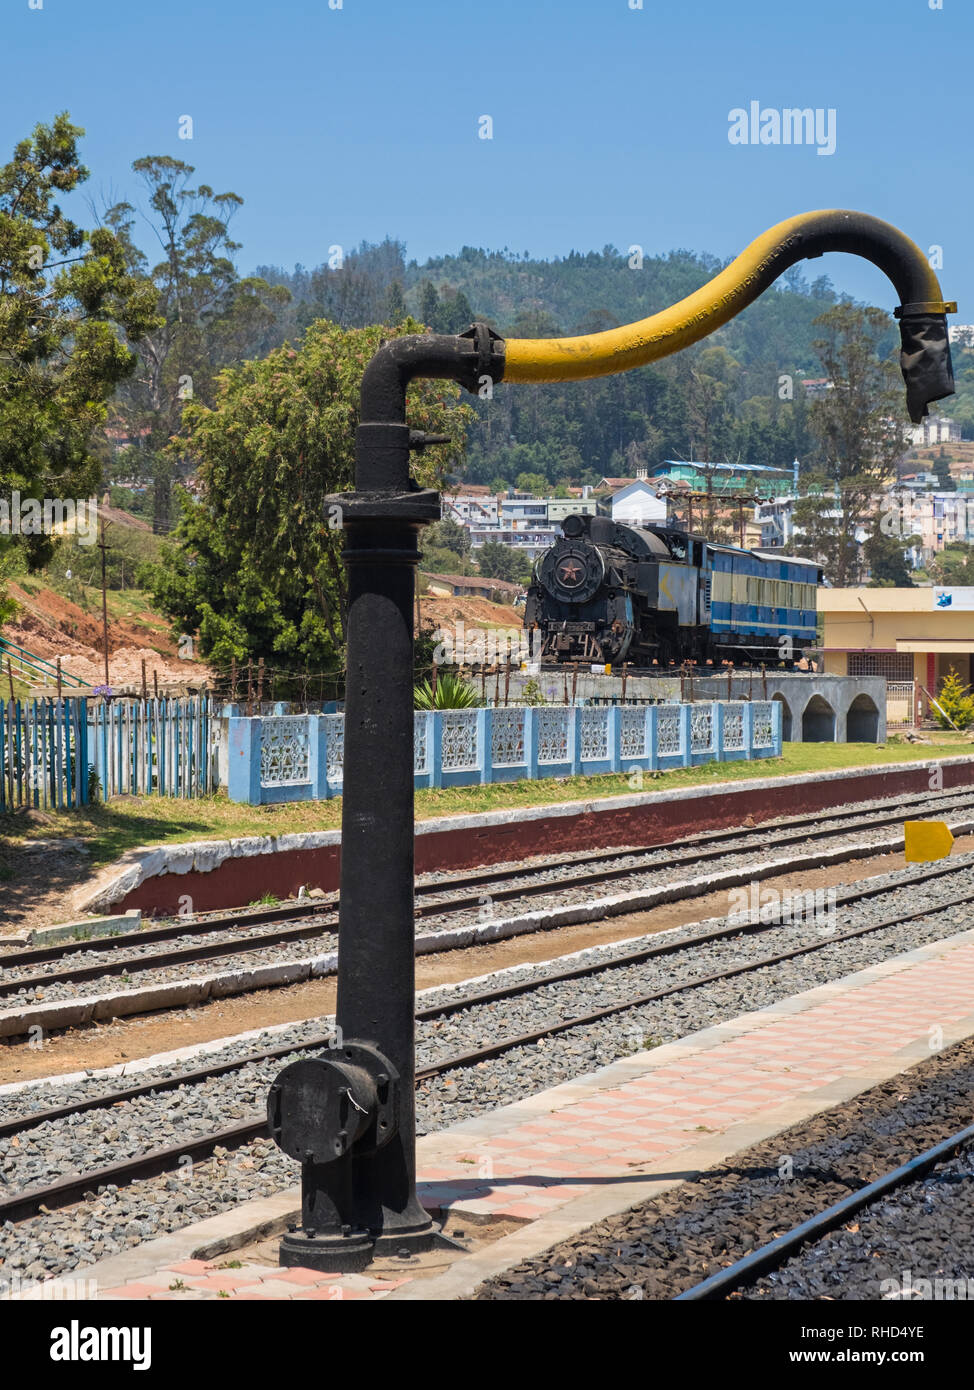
{"x": 321, "y": 1107}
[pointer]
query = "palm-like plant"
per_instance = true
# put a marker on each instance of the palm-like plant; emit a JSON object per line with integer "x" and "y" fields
{"x": 451, "y": 693}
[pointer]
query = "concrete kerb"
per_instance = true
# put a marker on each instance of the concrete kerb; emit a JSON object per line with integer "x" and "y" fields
{"x": 202, "y": 988}
{"x": 139, "y": 865}
{"x": 135, "y": 1066}
{"x": 266, "y": 1217}
{"x": 86, "y": 927}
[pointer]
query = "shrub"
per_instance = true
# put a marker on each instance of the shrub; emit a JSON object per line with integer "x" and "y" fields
{"x": 532, "y": 694}
{"x": 451, "y": 693}
{"x": 955, "y": 702}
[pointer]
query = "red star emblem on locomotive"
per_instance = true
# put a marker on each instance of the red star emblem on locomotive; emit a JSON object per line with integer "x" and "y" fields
{"x": 570, "y": 572}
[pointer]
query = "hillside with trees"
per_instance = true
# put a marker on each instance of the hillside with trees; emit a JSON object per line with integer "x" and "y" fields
{"x": 172, "y": 377}
{"x": 737, "y": 396}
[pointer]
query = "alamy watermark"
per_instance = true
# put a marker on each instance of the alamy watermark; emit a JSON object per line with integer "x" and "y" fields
{"x": 49, "y": 516}
{"x": 904, "y": 517}
{"x": 74, "y": 1342}
{"x": 58, "y": 1290}
{"x": 751, "y": 904}
{"x": 462, "y": 646}
{"x": 755, "y": 124}
{"x": 927, "y": 1290}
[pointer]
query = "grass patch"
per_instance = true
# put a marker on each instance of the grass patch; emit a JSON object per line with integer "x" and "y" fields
{"x": 128, "y": 822}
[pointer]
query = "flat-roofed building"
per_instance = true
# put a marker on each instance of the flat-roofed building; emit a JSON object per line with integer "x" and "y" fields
{"x": 560, "y": 507}
{"x": 720, "y": 478}
{"x": 905, "y": 635}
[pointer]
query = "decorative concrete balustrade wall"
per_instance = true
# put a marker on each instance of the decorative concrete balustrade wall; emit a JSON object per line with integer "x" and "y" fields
{"x": 299, "y": 757}
{"x": 815, "y": 708}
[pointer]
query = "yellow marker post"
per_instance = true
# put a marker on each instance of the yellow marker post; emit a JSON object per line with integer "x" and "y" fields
{"x": 927, "y": 840}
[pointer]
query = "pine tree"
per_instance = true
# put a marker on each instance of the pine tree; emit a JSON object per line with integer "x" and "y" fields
{"x": 429, "y": 305}
{"x": 67, "y": 298}
{"x": 395, "y": 304}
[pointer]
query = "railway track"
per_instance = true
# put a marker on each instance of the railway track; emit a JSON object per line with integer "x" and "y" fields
{"x": 440, "y": 898}
{"x": 830, "y": 1226}
{"x": 22, "y": 1205}
{"x": 770, "y": 1257}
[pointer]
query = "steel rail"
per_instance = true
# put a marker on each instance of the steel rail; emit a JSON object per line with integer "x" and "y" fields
{"x": 22, "y": 1205}
{"x": 284, "y": 912}
{"x": 524, "y": 1039}
{"x": 771, "y": 1256}
{"x": 310, "y": 931}
{"x": 673, "y": 947}
{"x": 22, "y": 1124}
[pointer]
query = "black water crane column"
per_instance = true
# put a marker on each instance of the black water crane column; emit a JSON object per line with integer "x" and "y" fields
{"x": 348, "y": 1116}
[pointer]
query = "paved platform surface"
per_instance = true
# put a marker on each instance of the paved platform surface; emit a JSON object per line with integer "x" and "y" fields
{"x": 561, "y": 1160}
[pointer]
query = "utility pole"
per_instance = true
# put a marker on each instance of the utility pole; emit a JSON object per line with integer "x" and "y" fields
{"x": 739, "y": 502}
{"x": 104, "y": 593}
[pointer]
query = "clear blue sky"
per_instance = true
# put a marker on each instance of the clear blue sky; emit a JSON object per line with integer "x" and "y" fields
{"x": 610, "y": 123}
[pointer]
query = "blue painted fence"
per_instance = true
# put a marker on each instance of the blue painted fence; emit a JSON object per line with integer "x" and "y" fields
{"x": 300, "y": 757}
{"x": 51, "y": 750}
{"x": 43, "y": 754}
{"x": 152, "y": 747}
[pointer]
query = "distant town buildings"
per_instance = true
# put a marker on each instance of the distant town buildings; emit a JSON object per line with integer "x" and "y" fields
{"x": 524, "y": 522}
{"x": 471, "y": 508}
{"x": 777, "y": 522}
{"x": 724, "y": 478}
{"x": 935, "y": 429}
{"x": 753, "y": 504}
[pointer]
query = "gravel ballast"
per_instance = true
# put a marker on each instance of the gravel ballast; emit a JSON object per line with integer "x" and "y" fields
{"x": 113, "y": 1220}
{"x": 753, "y": 848}
{"x": 916, "y": 1244}
{"x": 667, "y": 1245}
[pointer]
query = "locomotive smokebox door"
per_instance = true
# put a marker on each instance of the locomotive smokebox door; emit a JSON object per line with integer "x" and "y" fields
{"x": 319, "y": 1107}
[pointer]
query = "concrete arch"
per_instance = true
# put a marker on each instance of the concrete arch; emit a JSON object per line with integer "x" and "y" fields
{"x": 818, "y": 721}
{"x": 862, "y": 721}
{"x": 786, "y": 735}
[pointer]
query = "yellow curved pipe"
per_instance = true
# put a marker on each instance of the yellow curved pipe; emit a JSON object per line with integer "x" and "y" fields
{"x": 619, "y": 349}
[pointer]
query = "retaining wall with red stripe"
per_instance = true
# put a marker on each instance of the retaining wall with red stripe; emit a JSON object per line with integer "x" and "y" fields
{"x": 223, "y": 874}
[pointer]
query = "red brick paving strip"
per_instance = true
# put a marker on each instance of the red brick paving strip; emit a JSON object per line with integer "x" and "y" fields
{"x": 598, "y": 1136}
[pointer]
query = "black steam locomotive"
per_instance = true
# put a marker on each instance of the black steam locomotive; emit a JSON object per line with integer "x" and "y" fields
{"x": 608, "y": 593}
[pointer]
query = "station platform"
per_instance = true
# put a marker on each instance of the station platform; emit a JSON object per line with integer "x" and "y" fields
{"x": 523, "y": 1177}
